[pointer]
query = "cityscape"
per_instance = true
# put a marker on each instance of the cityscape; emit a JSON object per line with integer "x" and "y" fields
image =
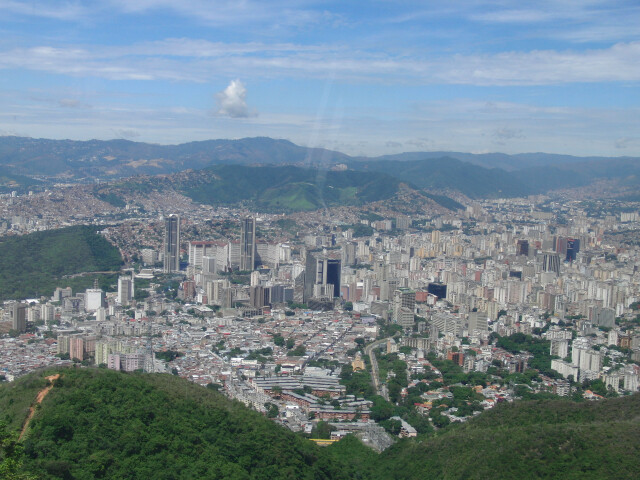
{"x": 319, "y": 316}
{"x": 319, "y": 240}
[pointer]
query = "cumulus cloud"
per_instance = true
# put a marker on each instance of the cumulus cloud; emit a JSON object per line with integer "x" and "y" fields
{"x": 232, "y": 101}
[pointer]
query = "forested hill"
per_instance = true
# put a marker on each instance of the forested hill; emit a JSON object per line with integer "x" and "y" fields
{"x": 271, "y": 188}
{"x": 35, "y": 264}
{"x": 533, "y": 439}
{"x": 96, "y": 423}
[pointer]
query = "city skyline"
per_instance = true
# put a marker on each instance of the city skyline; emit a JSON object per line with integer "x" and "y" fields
{"x": 361, "y": 78}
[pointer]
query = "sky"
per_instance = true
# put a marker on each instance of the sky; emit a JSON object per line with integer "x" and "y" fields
{"x": 362, "y": 77}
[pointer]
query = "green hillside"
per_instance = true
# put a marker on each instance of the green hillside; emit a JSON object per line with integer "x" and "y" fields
{"x": 448, "y": 173}
{"x": 34, "y": 264}
{"x": 10, "y": 181}
{"x": 286, "y": 188}
{"x": 96, "y": 423}
{"x": 536, "y": 439}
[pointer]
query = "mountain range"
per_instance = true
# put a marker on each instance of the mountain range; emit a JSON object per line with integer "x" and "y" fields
{"x": 474, "y": 175}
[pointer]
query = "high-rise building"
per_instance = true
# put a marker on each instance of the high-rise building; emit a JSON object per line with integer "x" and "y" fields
{"x": 478, "y": 321}
{"x": 248, "y": 244}
{"x": 551, "y": 263}
{"x": 94, "y": 299}
{"x": 125, "y": 290}
{"x": 404, "y": 304}
{"x": 172, "y": 244}
{"x": 349, "y": 253}
{"x": 573, "y": 247}
{"x": 19, "y": 317}
{"x": 322, "y": 275}
{"x": 198, "y": 250}
{"x": 522, "y": 247}
{"x": 259, "y": 296}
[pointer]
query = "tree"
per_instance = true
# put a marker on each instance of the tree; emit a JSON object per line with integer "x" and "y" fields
{"x": 392, "y": 426}
{"x": 11, "y": 453}
{"x": 299, "y": 351}
{"x": 348, "y": 306}
{"x": 272, "y": 410}
{"x": 322, "y": 429}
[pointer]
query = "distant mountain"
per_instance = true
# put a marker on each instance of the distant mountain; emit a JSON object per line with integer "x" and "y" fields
{"x": 96, "y": 423}
{"x": 448, "y": 173}
{"x": 504, "y": 161}
{"x": 123, "y": 158}
{"x": 474, "y": 175}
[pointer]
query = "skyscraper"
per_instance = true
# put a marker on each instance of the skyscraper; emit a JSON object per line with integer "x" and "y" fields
{"x": 322, "y": 275}
{"x": 248, "y": 244}
{"x": 126, "y": 290}
{"x": 522, "y": 247}
{"x": 404, "y": 304}
{"x": 18, "y": 313}
{"x": 551, "y": 263}
{"x": 172, "y": 244}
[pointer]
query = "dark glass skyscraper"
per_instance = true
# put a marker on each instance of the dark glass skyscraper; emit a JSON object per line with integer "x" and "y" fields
{"x": 321, "y": 270}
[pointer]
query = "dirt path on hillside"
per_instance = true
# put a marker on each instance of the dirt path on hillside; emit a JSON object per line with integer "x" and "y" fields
{"x": 32, "y": 410}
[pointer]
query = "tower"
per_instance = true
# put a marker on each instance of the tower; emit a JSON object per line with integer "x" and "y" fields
{"x": 19, "y": 317}
{"x": 322, "y": 275}
{"x": 404, "y": 305}
{"x": 172, "y": 244}
{"x": 248, "y": 244}
{"x": 125, "y": 290}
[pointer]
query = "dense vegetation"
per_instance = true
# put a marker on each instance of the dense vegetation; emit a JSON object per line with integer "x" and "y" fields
{"x": 35, "y": 264}
{"x": 539, "y": 439}
{"x": 288, "y": 188}
{"x": 96, "y": 423}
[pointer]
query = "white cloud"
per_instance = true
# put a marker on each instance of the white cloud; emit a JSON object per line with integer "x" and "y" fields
{"x": 197, "y": 60}
{"x": 232, "y": 101}
{"x": 56, "y": 10}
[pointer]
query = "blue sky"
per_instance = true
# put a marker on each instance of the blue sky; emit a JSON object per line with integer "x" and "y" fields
{"x": 369, "y": 78}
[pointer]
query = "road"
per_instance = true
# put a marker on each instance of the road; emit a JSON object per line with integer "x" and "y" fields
{"x": 368, "y": 350}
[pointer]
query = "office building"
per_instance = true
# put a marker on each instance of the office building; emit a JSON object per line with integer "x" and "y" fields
{"x": 322, "y": 275}
{"x": 404, "y": 305}
{"x": 248, "y": 244}
{"x": 18, "y": 313}
{"x": 172, "y": 244}
{"x": 522, "y": 247}
{"x": 551, "y": 263}
{"x": 94, "y": 299}
{"x": 125, "y": 290}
